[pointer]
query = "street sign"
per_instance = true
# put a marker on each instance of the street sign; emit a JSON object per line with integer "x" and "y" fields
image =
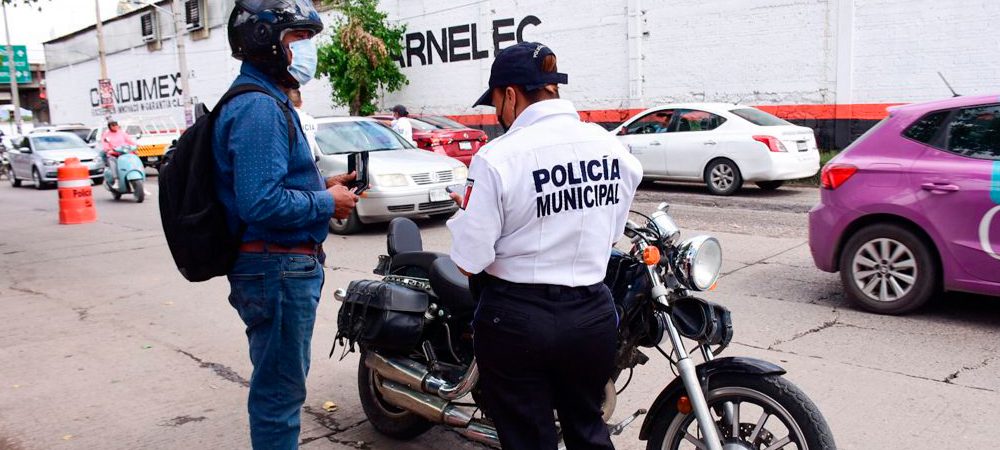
{"x": 107, "y": 96}
{"x": 20, "y": 65}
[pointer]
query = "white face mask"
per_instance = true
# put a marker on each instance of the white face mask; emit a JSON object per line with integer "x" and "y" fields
{"x": 304, "y": 60}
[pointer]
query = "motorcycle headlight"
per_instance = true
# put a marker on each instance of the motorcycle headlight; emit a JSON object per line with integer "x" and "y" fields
{"x": 460, "y": 173}
{"x": 697, "y": 262}
{"x": 391, "y": 180}
{"x": 50, "y": 162}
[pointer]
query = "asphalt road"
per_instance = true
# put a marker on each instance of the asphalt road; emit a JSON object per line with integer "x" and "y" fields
{"x": 104, "y": 345}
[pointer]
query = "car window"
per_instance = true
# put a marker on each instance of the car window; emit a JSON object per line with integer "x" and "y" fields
{"x": 443, "y": 122}
{"x": 336, "y": 138}
{"x": 975, "y": 132}
{"x": 81, "y": 133}
{"x": 423, "y": 126}
{"x": 758, "y": 117}
{"x": 927, "y": 127}
{"x": 695, "y": 120}
{"x": 56, "y": 142}
{"x": 26, "y": 143}
{"x": 652, "y": 123}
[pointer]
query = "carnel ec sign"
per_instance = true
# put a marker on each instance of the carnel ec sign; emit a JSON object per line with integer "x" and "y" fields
{"x": 461, "y": 42}
{"x": 148, "y": 94}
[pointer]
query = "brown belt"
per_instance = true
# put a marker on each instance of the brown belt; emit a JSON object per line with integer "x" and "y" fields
{"x": 264, "y": 247}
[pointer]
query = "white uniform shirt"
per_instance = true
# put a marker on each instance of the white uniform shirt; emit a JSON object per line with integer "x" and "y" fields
{"x": 546, "y": 201}
{"x": 309, "y": 128}
{"x": 403, "y": 126}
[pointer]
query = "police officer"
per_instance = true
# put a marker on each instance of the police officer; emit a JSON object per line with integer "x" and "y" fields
{"x": 543, "y": 206}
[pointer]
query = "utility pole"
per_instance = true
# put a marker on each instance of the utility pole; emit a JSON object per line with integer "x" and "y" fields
{"x": 14, "y": 94}
{"x": 180, "y": 34}
{"x": 101, "y": 54}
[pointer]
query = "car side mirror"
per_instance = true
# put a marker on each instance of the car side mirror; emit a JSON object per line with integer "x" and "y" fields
{"x": 622, "y": 131}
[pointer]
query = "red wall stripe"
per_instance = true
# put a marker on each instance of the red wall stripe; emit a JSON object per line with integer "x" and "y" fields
{"x": 861, "y": 111}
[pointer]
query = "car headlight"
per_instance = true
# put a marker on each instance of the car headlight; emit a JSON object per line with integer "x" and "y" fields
{"x": 698, "y": 262}
{"x": 50, "y": 162}
{"x": 391, "y": 180}
{"x": 460, "y": 173}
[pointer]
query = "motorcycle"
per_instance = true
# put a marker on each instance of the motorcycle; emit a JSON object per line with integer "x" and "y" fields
{"x": 130, "y": 177}
{"x": 417, "y": 367}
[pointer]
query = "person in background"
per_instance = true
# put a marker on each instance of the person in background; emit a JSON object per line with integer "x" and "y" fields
{"x": 309, "y": 126}
{"x": 401, "y": 123}
{"x": 113, "y": 138}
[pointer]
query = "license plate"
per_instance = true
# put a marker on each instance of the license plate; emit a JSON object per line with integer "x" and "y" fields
{"x": 154, "y": 158}
{"x": 439, "y": 195}
{"x": 465, "y": 145}
{"x": 803, "y": 146}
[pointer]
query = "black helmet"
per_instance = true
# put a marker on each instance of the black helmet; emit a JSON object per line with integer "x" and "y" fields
{"x": 256, "y": 28}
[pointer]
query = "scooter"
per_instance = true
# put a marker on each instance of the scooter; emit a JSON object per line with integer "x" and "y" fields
{"x": 130, "y": 177}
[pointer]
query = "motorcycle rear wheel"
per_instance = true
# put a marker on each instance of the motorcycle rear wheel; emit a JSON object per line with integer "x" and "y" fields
{"x": 769, "y": 410}
{"x": 389, "y": 420}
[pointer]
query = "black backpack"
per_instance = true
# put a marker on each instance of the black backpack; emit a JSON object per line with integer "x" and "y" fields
{"x": 194, "y": 220}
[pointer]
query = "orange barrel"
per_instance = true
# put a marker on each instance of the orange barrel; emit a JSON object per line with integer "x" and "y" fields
{"x": 76, "y": 201}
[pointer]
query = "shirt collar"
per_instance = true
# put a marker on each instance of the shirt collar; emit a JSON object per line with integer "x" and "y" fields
{"x": 257, "y": 76}
{"x": 542, "y": 110}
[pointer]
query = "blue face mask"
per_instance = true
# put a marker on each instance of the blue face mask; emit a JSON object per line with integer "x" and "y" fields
{"x": 304, "y": 60}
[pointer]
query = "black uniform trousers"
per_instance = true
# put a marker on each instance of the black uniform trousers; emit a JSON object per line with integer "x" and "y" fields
{"x": 542, "y": 348}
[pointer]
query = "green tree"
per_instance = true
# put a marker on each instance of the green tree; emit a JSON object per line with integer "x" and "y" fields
{"x": 358, "y": 59}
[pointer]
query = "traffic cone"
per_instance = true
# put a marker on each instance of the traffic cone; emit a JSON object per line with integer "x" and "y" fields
{"x": 76, "y": 201}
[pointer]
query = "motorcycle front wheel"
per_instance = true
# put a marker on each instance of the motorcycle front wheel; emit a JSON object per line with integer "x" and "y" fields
{"x": 750, "y": 412}
{"x": 388, "y": 419}
{"x": 137, "y": 189}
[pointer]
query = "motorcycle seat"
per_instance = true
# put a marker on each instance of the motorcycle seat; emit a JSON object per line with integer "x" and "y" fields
{"x": 451, "y": 286}
{"x": 403, "y": 237}
{"x": 418, "y": 259}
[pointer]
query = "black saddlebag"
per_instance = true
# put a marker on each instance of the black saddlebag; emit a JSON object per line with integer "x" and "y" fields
{"x": 382, "y": 316}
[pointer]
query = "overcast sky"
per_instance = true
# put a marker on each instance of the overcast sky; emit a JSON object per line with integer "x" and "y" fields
{"x": 31, "y": 27}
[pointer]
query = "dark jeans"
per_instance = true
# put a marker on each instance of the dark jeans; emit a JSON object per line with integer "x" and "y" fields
{"x": 276, "y": 295}
{"x": 544, "y": 348}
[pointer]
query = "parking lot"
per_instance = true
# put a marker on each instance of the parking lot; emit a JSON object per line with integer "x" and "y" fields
{"x": 105, "y": 346}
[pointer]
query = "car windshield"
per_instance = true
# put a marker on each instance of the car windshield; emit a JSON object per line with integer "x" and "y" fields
{"x": 443, "y": 122}
{"x": 335, "y": 138}
{"x": 758, "y": 117}
{"x": 81, "y": 133}
{"x": 57, "y": 142}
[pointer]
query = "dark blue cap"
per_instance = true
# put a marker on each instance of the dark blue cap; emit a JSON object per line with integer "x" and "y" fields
{"x": 521, "y": 65}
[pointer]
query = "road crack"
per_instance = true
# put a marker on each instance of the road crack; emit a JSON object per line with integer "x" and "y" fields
{"x": 331, "y": 423}
{"x": 951, "y": 377}
{"x": 181, "y": 420}
{"x": 221, "y": 370}
{"x": 814, "y": 330}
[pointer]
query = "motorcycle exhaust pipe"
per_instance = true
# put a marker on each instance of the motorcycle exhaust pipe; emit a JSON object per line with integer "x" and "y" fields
{"x": 415, "y": 376}
{"x": 438, "y": 410}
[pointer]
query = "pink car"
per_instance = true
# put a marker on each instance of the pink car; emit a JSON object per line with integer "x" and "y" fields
{"x": 913, "y": 206}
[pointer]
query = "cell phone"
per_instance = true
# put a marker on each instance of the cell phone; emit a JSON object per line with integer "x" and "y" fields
{"x": 454, "y": 188}
{"x": 358, "y": 162}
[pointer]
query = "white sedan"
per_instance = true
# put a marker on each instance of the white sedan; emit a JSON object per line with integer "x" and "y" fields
{"x": 405, "y": 181}
{"x": 723, "y": 145}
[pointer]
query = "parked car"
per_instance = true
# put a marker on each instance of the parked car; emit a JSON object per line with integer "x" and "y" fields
{"x": 723, "y": 145}
{"x": 80, "y": 130}
{"x": 444, "y": 136}
{"x": 37, "y": 156}
{"x": 405, "y": 181}
{"x": 913, "y": 206}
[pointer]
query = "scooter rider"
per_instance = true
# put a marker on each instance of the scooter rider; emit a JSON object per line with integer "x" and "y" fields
{"x": 543, "y": 206}
{"x": 113, "y": 138}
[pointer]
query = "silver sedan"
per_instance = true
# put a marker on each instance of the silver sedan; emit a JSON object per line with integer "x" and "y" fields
{"x": 405, "y": 181}
{"x": 37, "y": 157}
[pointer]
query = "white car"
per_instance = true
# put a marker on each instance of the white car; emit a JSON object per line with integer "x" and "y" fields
{"x": 405, "y": 181}
{"x": 723, "y": 145}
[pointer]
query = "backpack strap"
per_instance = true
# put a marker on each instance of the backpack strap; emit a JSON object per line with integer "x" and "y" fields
{"x": 241, "y": 89}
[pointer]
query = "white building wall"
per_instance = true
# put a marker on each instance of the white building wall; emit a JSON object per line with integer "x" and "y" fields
{"x": 619, "y": 54}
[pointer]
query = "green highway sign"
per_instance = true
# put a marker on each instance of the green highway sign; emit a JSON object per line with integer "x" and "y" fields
{"x": 20, "y": 65}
